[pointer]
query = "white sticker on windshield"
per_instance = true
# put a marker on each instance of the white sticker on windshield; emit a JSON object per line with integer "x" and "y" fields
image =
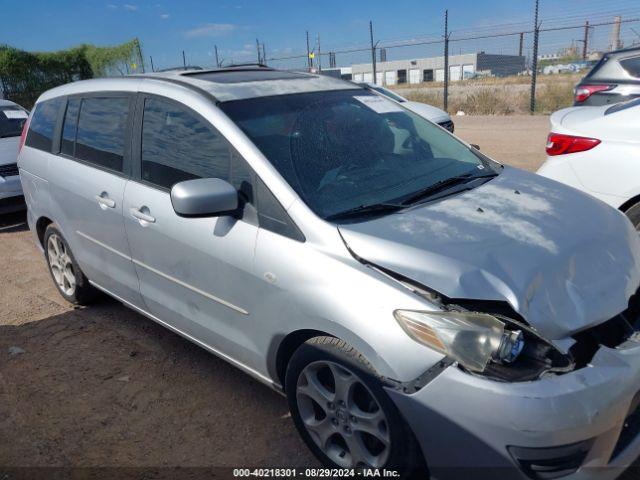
{"x": 379, "y": 104}
{"x": 15, "y": 114}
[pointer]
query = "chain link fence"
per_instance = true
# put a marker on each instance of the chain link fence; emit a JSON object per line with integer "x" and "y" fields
{"x": 527, "y": 67}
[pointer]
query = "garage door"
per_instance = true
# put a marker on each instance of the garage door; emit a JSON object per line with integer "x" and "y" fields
{"x": 390, "y": 77}
{"x": 414, "y": 75}
{"x": 440, "y": 75}
{"x": 368, "y": 77}
{"x": 358, "y": 77}
{"x": 455, "y": 73}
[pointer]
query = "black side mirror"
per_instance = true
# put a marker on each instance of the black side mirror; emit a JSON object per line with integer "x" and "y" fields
{"x": 204, "y": 197}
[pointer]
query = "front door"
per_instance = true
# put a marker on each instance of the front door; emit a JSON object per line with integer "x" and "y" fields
{"x": 195, "y": 273}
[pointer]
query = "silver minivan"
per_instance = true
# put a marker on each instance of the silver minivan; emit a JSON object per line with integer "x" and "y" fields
{"x": 424, "y": 308}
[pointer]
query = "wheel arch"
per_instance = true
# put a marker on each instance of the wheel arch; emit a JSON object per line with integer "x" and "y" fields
{"x": 41, "y": 226}
{"x": 629, "y": 203}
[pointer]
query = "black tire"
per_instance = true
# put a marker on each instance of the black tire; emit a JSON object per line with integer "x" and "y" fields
{"x": 83, "y": 292}
{"x": 633, "y": 213}
{"x": 404, "y": 455}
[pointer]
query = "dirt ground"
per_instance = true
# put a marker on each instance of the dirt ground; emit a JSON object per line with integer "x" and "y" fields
{"x": 104, "y": 386}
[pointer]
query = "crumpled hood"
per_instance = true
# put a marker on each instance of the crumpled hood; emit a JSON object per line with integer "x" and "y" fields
{"x": 9, "y": 150}
{"x": 562, "y": 259}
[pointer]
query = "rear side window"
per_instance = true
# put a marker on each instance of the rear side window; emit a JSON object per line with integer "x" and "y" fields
{"x": 632, "y": 66}
{"x": 11, "y": 121}
{"x": 100, "y": 135}
{"x": 178, "y": 145}
{"x": 43, "y": 124}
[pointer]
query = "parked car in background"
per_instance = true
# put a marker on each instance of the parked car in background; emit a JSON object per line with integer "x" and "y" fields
{"x": 12, "y": 119}
{"x": 597, "y": 150}
{"x": 615, "y": 78}
{"x": 431, "y": 113}
{"x": 420, "y": 305}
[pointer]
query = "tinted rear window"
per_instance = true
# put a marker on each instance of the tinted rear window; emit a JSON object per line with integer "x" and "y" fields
{"x": 11, "y": 121}
{"x": 43, "y": 123}
{"x": 632, "y": 66}
{"x": 101, "y": 130}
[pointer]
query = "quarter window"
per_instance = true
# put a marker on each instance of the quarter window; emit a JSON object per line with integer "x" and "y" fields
{"x": 100, "y": 136}
{"x": 43, "y": 124}
{"x": 178, "y": 145}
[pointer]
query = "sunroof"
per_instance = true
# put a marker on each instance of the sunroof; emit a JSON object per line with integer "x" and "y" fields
{"x": 241, "y": 76}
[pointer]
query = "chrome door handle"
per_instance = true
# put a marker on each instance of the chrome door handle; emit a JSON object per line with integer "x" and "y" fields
{"x": 104, "y": 201}
{"x": 143, "y": 217}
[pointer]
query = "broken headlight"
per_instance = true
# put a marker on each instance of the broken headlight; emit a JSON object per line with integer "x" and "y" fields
{"x": 472, "y": 339}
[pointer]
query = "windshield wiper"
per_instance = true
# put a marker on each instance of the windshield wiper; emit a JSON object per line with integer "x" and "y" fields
{"x": 442, "y": 185}
{"x": 366, "y": 209}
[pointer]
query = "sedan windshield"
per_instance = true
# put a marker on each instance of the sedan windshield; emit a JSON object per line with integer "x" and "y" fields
{"x": 348, "y": 149}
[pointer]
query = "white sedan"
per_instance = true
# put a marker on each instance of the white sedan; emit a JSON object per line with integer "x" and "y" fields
{"x": 12, "y": 119}
{"x": 427, "y": 111}
{"x": 597, "y": 150}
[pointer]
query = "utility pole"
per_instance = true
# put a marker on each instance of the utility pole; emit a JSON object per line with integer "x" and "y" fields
{"x": 585, "y": 41}
{"x": 309, "y": 62}
{"x": 259, "y": 52}
{"x": 264, "y": 54}
{"x": 521, "y": 44}
{"x": 446, "y": 59}
{"x": 215, "y": 49}
{"x": 184, "y": 59}
{"x": 319, "y": 56}
{"x": 151, "y": 59}
{"x": 373, "y": 53}
{"x": 534, "y": 64}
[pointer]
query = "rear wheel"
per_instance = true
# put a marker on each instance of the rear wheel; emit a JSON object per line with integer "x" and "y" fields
{"x": 343, "y": 414}
{"x": 634, "y": 215}
{"x": 72, "y": 284}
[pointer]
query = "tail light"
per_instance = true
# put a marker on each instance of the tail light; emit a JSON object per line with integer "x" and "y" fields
{"x": 585, "y": 91}
{"x": 558, "y": 144}
{"x": 23, "y": 135}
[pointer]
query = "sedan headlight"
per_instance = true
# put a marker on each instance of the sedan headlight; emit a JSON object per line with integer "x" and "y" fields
{"x": 470, "y": 338}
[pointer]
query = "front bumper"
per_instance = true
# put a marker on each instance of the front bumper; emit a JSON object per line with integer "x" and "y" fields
{"x": 465, "y": 423}
{"x": 11, "y": 197}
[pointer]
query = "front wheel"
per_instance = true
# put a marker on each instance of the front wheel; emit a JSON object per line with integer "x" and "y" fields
{"x": 341, "y": 411}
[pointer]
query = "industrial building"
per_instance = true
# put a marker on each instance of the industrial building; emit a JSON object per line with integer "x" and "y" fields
{"x": 431, "y": 69}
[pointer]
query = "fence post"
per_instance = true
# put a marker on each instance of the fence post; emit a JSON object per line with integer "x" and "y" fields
{"x": 151, "y": 59}
{"x": 259, "y": 52}
{"x": 534, "y": 60}
{"x": 319, "y": 56}
{"x": 215, "y": 49}
{"x": 446, "y": 60}
{"x": 521, "y": 44}
{"x": 184, "y": 59}
{"x": 308, "y": 53}
{"x": 140, "y": 54}
{"x": 585, "y": 41}
{"x": 373, "y": 53}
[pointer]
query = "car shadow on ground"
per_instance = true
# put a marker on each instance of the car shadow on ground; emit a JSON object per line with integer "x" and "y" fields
{"x": 13, "y": 222}
{"x": 103, "y": 385}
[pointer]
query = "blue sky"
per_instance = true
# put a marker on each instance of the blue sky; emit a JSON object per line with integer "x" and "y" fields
{"x": 165, "y": 28}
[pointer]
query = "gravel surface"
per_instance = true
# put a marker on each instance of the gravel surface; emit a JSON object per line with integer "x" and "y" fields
{"x": 104, "y": 386}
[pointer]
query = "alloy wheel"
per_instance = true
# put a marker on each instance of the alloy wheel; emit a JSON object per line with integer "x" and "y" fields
{"x": 61, "y": 265}
{"x": 342, "y": 416}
